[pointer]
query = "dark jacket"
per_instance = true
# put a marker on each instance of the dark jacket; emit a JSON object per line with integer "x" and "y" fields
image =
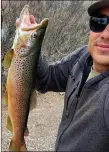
{"x": 85, "y": 121}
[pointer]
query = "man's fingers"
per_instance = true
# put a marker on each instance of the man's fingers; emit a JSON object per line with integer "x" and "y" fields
{"x": 17, "y": 22}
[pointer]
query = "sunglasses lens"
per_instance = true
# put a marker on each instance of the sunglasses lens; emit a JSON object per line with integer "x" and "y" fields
{"x": 98, "y": 24}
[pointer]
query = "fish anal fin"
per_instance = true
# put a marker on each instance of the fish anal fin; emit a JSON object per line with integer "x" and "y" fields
{"x": 8, "y": 58}
{"x": 33, "y": 100}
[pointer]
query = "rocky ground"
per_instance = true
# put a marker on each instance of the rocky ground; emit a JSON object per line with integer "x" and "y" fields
{"x": 43, "y": 123}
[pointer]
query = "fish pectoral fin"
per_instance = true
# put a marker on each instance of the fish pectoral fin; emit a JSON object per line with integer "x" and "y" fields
{"x": 33, "y": 100}
{"x": 8, "y": 58}
{"x": 13, "y": 147}
{"x": 9, "y": 125}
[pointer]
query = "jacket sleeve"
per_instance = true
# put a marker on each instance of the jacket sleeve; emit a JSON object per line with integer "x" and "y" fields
{"x": 106, "y": 110}
{"x": 53, "y": 77}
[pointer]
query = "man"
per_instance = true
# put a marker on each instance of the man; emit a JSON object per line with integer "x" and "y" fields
{"x": 84, "y": 76}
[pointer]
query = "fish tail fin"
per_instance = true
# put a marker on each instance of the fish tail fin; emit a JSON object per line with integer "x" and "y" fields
{"x": 9, "y": 125}
{"x": 13, "y": 147}
{"x": 23, "y": 148}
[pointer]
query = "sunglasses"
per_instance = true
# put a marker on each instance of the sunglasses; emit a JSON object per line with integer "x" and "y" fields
{"x": 98, "y": 23}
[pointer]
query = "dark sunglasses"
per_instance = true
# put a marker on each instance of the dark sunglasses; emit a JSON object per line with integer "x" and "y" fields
{"x": 98, "y": 23}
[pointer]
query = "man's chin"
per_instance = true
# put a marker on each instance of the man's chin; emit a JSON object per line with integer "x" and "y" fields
{"x": 101, "y": 59}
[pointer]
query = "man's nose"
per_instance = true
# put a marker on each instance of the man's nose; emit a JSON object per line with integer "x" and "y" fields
{"x": 105, "y": 33}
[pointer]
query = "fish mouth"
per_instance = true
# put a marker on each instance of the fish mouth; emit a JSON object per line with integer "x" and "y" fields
{"x": 28, "y": 33}
{"x": 27, "y": 22}
{"x": 36, "y": 26}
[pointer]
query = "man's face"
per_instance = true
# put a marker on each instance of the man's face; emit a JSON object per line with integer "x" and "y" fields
{"x": 99, "y": 44}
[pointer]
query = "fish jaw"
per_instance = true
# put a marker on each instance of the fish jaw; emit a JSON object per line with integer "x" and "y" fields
{"x": 22, "y": 36}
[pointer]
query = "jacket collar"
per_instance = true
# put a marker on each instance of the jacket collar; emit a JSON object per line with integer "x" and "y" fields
{"x": 86, "y": 63}
{"x": 89, "y": 62}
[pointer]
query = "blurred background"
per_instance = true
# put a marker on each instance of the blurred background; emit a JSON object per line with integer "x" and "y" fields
{"x": 67, "y": 30}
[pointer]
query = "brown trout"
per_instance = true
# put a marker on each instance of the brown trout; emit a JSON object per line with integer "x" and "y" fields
{"x": 21, "y": 63}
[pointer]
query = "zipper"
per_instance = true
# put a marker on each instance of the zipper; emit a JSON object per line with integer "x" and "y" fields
{"x": 68, "y": 105}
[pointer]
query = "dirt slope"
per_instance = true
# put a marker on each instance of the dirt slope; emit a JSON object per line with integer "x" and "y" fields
{"x": 43, "y": 123}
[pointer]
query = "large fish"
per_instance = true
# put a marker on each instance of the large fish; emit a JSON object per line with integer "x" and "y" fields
{"x": 21, "y": 62}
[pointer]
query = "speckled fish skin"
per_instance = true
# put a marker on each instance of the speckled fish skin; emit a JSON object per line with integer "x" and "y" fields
{"x": 20, "y": 84}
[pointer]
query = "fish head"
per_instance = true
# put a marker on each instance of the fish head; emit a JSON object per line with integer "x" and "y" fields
{"x": 29, "y": 34}
{"x": 35, "y": 41}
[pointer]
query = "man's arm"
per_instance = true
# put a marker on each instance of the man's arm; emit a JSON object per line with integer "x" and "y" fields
{"x": 54, "y": 77}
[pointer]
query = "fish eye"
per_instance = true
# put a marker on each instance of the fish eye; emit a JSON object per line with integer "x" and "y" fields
{"x": 34, "y": 35}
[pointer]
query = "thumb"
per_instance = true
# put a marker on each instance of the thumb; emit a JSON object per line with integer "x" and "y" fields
{"x": 17, "y": 22}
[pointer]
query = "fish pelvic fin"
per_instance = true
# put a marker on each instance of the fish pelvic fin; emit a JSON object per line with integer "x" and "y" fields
{"x": 8, "y": 58}
{"x": 9, "y": 125}
{"x": 14, "y": 148}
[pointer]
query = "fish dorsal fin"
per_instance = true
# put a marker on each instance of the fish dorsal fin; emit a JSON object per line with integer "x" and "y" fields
{"x": 33, "y": 100}
{"x": 8, "y": 58}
